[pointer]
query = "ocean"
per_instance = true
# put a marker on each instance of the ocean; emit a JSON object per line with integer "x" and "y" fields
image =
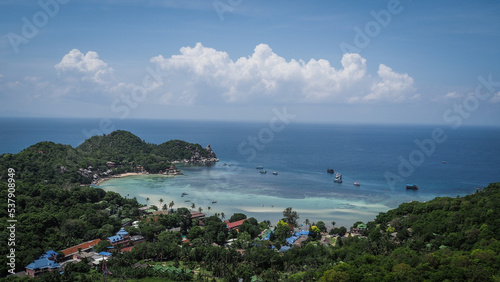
{"x": 441, "y": 160}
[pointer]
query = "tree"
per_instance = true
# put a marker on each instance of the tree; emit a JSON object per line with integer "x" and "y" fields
{"x": 193, "y": 206}
{"x": 237, "y": 216}
{"x": 307, "y": 222}
{"x": 200, "y": 209}
{"x": 161, "y": 201}
{"x": 321, "y": 226}
{"x": 291, "y": 216}
{"x": 164, "y": 207}
{"x": 171, "y": 204}
{"x": 222, "y": 215}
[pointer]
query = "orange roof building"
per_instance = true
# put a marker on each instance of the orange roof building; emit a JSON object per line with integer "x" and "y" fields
{"x": 83, "y": 247}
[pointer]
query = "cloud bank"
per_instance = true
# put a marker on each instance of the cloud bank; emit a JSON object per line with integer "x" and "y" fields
{"x": 199, "y": 71}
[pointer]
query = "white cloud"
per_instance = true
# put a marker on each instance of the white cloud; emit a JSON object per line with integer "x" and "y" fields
{"x": 200, "y": 72}
{"x": 86, "y": 67}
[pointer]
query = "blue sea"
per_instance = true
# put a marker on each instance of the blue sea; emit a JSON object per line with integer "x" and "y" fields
{"x": 383, "y": 158}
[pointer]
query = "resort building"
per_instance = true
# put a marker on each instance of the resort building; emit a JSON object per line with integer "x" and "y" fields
{"x": 234, "y": 225}
{"x": 44, "y": 264}
{"x": 76, "y": 252}
{"x": 121, "y": 238}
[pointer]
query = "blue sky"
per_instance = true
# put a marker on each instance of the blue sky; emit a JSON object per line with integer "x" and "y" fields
{"x": 325, "y": 61}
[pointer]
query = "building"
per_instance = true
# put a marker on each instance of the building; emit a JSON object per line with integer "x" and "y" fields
{"x": 197, "y": 215}
{"x": 44, "y": 264}
{"x": 234, "y": 225}
{"x": 121, "y": 238}
{"x": 75, "y": 251}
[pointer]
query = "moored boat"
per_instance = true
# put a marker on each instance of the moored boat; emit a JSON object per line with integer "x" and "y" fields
{"x": 357, "y": 184}
{"x": 338, "y": 178}
{"x": 330, "y": 170}
{"x": 275, "y": 173}
{"x": 262, "y": 171}
{"x": 260, "y": 167}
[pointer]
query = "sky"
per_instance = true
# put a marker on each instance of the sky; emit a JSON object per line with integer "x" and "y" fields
{"x": 417, "y": 62}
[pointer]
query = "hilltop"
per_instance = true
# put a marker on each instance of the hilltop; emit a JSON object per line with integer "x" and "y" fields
{"x": 100, "y": 156}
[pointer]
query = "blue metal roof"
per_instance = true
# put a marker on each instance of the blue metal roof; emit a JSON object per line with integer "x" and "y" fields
{"x": 43, "y": 263}
{"x": 48, "y": 254}
{"x": 106, "y": 254}
{"x": 122, "y": 232}
{"x": 284, "y": 248}
{"x": 115, "y": 238}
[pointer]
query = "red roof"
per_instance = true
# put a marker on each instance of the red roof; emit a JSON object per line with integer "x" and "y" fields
{"x": 236, "y": 224}
{"x": 82, "y": 246}
{"x": 195, "y": 214}
{"x": 127, "y": 249}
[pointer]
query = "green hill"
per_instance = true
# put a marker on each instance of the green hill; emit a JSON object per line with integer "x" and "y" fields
{"x": 99, "y": 156}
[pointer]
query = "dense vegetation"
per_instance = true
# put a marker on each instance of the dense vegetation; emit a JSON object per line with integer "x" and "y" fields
{"x": 454, "y": 239}
{"x": 117, "y": 152}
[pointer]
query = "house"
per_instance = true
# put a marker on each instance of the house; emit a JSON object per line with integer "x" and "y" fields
{"x": 74, "y": 252}
{"x": 40, "y": 266}
{"x": 164, "y": 212}
{"x": 234, "y": 225}
{"x": 197, "y": 215}
{"x": 136, "y": 239}
{"x": 121, "y": 238}
{"x": 50, "y": 255}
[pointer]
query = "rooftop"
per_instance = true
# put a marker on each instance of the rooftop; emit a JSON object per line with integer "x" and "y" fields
{"x": 42, "y": 264}
{"x": 236, "y": 224}
{"x": 82, "y": 246}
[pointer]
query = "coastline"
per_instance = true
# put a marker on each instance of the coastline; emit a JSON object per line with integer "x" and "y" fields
{"x": 126, "y": 174}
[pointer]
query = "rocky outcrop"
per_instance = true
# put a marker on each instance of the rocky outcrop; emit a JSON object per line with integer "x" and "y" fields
{"x": 207, "y": 157}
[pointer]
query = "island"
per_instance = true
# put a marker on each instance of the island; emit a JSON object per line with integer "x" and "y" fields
{"x": 100, "y": 157}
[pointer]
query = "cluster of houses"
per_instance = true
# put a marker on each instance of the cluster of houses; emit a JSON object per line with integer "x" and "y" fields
{"x": 52, "y": 261}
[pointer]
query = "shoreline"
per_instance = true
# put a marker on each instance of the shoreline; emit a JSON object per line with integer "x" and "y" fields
{"x": 126, "y": 174}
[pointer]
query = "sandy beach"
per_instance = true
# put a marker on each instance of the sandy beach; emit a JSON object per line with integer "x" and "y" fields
{"x": 101, "y": 180}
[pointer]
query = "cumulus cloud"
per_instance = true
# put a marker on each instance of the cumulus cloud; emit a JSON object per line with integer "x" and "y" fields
{"x": 88, "y": 67}
{"x": 201, "y": 71}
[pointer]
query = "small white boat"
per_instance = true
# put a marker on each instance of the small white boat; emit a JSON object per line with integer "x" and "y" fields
{"x": 262, "y": 171}
{"x": 357, "y": 184}
{"x": 338, "y": 178}
{"x": 275, "y": 173}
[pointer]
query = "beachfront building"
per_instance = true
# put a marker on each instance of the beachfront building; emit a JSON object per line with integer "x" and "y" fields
{"x": 197, "y": 215}
{"x": 77, "y": 252}
{"x": 44, "y": 264}
{"x": 234, "y": 225}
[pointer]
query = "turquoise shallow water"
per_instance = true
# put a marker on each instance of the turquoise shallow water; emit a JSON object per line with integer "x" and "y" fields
{"x": 300, "y": 153}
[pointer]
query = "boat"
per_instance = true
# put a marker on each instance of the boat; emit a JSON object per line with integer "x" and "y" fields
{"x": 260, "y": 167}
{"x": 187, "y": 201}
{"x": 262, "y": 171}
{"x": 214, "y": 202}
{"x": 357, "y": 184}
{"x": 411, "y": 186}
{"x": 184, "y": 194}
{"x": 275, "y": 173}
{"x": 330, "y": 170}
{"x": 444, "y": 162}
{"x": 338, "y": 178}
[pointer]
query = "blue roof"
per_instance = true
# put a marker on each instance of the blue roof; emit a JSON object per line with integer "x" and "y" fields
{"x": 304, "y": 232}
{"x": 48, "y": 254}
{"x": 106, "y": 254}
{"x": 43, "y": 263}
{"x": 122, "y": 232}
{"x": 284, "y": 248}
{"x": 115, "y": 238}
{"x": 292, "y": 239}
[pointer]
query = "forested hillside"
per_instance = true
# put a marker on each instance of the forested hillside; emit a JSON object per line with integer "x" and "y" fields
{"x": 99, "y": 156}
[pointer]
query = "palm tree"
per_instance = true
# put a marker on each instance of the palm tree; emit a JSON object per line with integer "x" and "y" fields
{"x": 161, "y": 201}
{"x": 200, "y": 209}
{"x": 333, "y": 224}
{"x": 222, "y": 215}
{"x": 307, "y": 222}
{"x": 209, "y": 208}
{"x": 193, "y": 206}
{"x": 147, "y": 199}
{"x": 171, "y": 204}
{"x": 164, "y": 207}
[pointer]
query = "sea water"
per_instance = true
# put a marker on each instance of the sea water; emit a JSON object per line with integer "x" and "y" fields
{"x": 382, "y": 158}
